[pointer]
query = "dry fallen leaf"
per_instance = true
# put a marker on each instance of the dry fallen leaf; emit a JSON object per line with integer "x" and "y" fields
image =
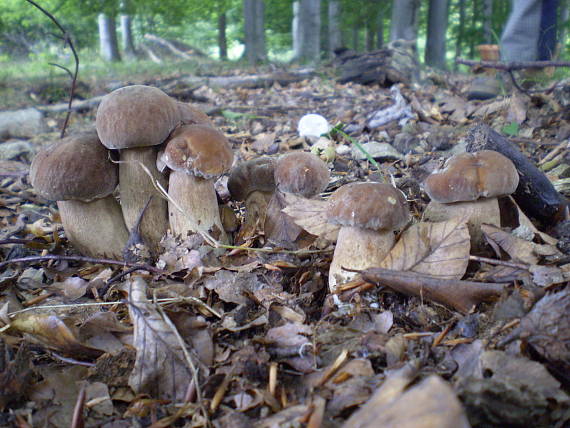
{"x": 161, "y": 368}
{"x": 437, "y": 249}
{"x": 519, "y": 249}
{"x": 310, "y": 214}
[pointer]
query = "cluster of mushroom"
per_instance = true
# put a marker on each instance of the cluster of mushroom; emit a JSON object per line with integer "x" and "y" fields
{"x": 140, "y": 122}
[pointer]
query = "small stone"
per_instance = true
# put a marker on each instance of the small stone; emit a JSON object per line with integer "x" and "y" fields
{"x": 383, "y": 151}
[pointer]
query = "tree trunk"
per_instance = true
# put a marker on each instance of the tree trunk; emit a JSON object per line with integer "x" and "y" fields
{"x": 309, "y": 31}
{"x": 355, "y": 37}
{"x": 563, "y": 24}
{"x": 487, "y": 21}
{"x": 254, "y": 30}
{"x": 380, "y": 28}
{"x": 127, "y": 36}
{"x": 437, "y": 27}
{"x": 222, "y": 40}
{"x": 404, "y": 20}
{"x": 335, "y": 36}
{"x": 370, "y": 33}
{"x": 460, "y": 32}
{"x": 108, "y": 38}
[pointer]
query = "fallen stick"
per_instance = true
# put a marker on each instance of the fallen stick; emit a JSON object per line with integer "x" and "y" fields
{"x": 458, "y": 294}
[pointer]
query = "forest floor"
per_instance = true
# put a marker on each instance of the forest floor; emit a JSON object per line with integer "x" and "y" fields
{"x": 241, "y": 338}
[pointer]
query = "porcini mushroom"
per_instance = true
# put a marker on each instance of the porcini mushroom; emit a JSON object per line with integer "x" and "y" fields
{"x": 253, "y": 182}
{"x": 368, "y": 214}
{"x": 77, "y": 173}
{"x": 300, "y": 173}
{"x": 468, "y": 186}
{"x": 197, "y": 155}
{"x": 190, "y": 115}
{"x": 134, "y": 119}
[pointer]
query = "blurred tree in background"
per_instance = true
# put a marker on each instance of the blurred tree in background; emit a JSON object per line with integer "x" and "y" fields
{"x": 224, "y": 29}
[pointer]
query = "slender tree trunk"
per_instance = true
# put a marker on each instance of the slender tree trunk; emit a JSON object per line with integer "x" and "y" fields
{"x": 222, "y": 40}
{"x": 380, "y": 27}
{"x": 127, "y": 36}
{"x": 437, "y": 27}
{"x": 460, "y": 32}
{"x": 404, "y": 20}
{"x": 254, "y": 30}
{"x": 370, "y": 32}
{"x": 309, "y": 31}
{"x": 335, "y": 35}
{"x": 108, "y": 38}
{"x": 355, "y": 37}
{"x": 488, "y": 21}
{"x": 474, "y": 19}
{"x": 296, "y": 30}
{"x": 563, "y": 24}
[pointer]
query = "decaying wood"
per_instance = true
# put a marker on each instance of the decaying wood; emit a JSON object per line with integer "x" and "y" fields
{"x": 173, "y": 48}
{"x": 535, "y": 194}
{"x": 77, "y": 105}
{"x": 460, "y": 295}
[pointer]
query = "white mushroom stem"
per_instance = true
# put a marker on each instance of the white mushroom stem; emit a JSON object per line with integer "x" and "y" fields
{"x": 359, "y": 249}
{"x": 136, "y": 187}
{"x": 197, "y": 206}
{"x": 485, "y": 210}
{"x": 95, "y": 228}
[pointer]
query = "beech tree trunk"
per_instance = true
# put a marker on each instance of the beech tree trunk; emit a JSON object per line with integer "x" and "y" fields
{"x": 335, "y": 35}
{"x": 404, "y": 20}
{"x": 108, "y": 38}
{"x": 309, "y": 32}
{"x": 460, "y": 32}
{"x": 437, "y": 27}
{"x": 254, "y": 30}
{"x": 487, "y": 20}
{"x": 127, "y": 36}
{"x": 222, "y": 40}
{"x": 380, "y": 28}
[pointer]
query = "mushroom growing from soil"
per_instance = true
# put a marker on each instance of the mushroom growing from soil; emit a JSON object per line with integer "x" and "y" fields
{"x": 253, "y": 182}
{"x": 303, "y": 174}
{"x": 197, "y": 155}
{"x": 469, "y": 186}
{"x": 77, "y": 173}
{"x": 368, "y": 214}
{"x": 134, "y": 119}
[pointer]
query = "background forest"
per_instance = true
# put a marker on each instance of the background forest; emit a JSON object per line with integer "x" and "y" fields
{"x": 252, "y": 30}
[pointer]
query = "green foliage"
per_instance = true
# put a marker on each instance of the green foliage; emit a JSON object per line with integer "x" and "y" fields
{"x": 511, "y": 129}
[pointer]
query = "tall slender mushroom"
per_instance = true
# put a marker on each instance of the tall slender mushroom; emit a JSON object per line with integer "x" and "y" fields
{"x": 134, "y": 119}
{"x": 468, "y": 186}
{"x": 368, "y": 214}
{"x": 77, "y": 173}
{"x": 197, "y": 155}
{"x": 300, "y": 173}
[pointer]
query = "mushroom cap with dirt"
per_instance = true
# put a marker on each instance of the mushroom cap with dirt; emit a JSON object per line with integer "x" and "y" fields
{"x": 135, "y": 120}
{"x": 197, "y": 155}
{"x": 468, "y": 186}
{"x": 78, "y": 174}
{"x": 303, "y": 174}
{"x": 253, "y": 181}
{"x": 368, "y": 214}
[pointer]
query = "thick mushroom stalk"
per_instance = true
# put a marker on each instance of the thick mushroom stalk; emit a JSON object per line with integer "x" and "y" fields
{"x": 77, "y": 173}
{"x": 368, "y": 214}
{"x": 197, "y": 155}
{"x": 95, "y": 228}
{"x": 468, "y": 187}
{"x": 134, "y": 119}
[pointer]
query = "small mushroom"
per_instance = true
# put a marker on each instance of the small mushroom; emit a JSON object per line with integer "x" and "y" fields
{"x": 300, "y": 173}
{"x": 77, "y": 173}
{"x": 368, "y": 214}
{"x": 468, "y": 186}
{"x": 135, "y": 119}
{"x": 253, "y": 182}
{"x": 197, "y": 155}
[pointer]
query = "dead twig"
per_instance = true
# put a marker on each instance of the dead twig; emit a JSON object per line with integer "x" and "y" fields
{"x": 33, "y": 259}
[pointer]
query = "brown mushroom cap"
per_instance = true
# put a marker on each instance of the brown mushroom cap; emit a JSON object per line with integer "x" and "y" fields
{"x": 470, "y": 176}
{"x": 199, "y": 150}
{"x": 136, "y": 116}
{"x": 75, "y": 168}
{"x": 301, "y": 173}
{"x": 250, "y": 176}
{"x": 190, "y": 115}
{"x": 375, "y": 206}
